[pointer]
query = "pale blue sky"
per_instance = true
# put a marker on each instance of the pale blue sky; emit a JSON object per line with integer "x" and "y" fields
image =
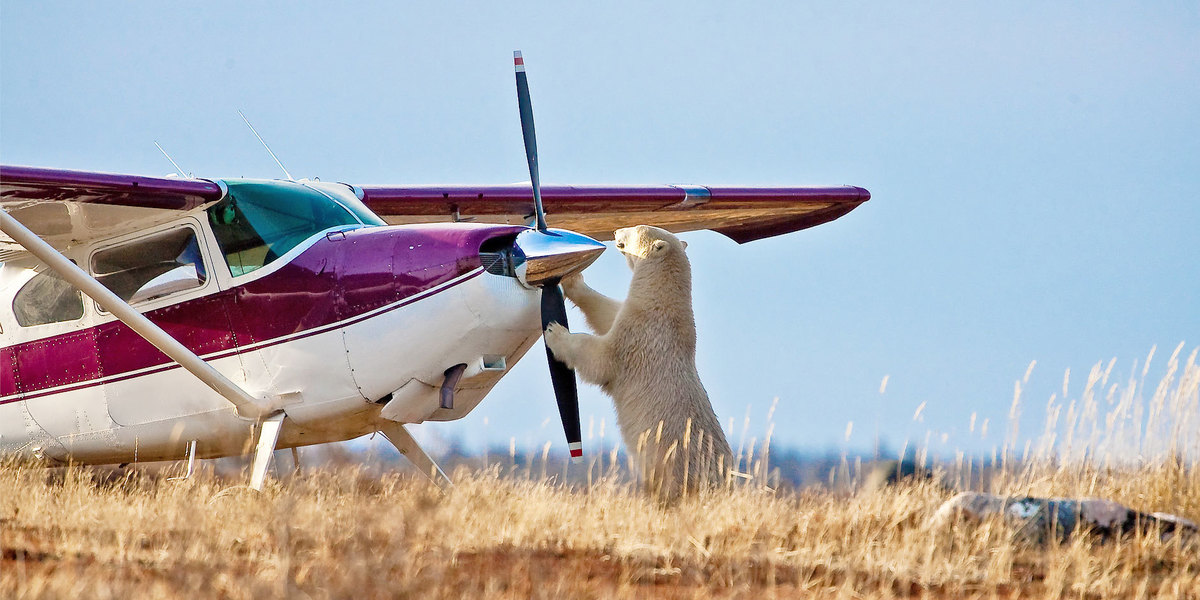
{"x": 1034, "y": 168}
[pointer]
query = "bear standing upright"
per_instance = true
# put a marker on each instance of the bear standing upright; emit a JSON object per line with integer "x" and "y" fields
{"x": 643, "y": 355}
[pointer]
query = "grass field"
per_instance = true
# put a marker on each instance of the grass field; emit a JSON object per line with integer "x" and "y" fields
{"x": 344, "y": 532}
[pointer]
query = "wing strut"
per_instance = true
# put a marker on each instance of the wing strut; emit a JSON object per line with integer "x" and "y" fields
{"x": 247, "y": 405}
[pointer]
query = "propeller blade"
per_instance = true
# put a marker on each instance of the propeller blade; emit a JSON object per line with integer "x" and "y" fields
{"x": 554, "y": 308}
{"x": 566, "y": 392}
{"x": 527, "y": 133}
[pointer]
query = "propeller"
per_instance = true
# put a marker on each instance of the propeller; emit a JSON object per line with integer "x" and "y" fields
{"x": 554, "y": 308}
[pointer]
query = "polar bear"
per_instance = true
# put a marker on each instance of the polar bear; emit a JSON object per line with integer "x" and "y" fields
{"x": 643, "y": 355}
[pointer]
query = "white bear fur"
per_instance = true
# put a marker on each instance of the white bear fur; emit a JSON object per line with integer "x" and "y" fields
{"x": 643, "y": 355}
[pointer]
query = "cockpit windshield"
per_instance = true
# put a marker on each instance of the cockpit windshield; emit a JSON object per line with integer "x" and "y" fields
{"x": 258, "y": 222}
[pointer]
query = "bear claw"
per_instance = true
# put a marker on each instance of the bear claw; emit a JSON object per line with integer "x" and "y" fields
{"x": 555, "y": 336}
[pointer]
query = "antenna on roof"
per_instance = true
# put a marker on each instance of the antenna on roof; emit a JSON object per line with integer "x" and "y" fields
{"x": 173, "y": 163}
{"x": 264, "y": 143}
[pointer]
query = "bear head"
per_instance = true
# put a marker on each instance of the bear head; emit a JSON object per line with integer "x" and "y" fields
{"x": 644, "y": 242}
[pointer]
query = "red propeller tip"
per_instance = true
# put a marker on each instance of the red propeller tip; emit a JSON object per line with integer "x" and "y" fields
{"x": 518, "y": 62}
{"x": 576, "y": 451}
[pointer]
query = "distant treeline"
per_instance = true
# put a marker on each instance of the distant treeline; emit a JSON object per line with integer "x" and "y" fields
{"x": 785, "y": 469}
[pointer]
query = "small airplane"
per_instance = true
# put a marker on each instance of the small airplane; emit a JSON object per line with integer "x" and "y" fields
{"x": 220, "y": 315}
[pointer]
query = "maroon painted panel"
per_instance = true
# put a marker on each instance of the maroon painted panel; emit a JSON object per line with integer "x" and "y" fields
{"x": 59, "y": 360}
{"x": 8, "y": 371}
{"x": 201, "y": 324}
{"x": 364, "y": 274}
{"x": 300, "y": 296}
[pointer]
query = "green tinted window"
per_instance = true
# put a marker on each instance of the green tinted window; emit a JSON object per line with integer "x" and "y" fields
{"x": 258, "y": 222}
{"x": 364, "y": 214}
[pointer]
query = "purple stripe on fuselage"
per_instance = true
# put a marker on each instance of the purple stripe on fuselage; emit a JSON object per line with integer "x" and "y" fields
{"x": 335, "y": 280}
{"x": 172, "y": 365}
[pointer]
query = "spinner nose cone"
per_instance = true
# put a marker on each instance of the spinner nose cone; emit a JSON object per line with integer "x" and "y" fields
{"x": 553, "y": 254}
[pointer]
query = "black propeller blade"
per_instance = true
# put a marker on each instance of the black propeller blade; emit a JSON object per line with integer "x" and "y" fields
{"x": 554, "y": 308}
{"x": 527, "y": 132}
{"x": 562, "y": 377}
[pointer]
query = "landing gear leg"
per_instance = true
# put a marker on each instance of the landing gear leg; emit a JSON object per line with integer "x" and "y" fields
{"x": 404, "y": 442}
{"x": 268, "y": 435}
{"x": 191, "y": 468}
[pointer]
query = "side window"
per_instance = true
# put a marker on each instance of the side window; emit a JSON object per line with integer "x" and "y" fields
{"x": 151, "y": 267}
{"x": 47, "y": 299}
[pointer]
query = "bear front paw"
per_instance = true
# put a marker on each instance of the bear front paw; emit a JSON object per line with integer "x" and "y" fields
{"x": 573, "y": 284}
{"x": 555, "y": 336}
{"x": 556, "y": 329}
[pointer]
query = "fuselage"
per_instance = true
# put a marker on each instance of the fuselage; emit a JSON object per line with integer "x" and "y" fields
{"x": 292, "y": 290}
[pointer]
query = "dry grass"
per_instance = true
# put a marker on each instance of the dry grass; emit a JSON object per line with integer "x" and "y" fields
{"x": 339, "y": 533}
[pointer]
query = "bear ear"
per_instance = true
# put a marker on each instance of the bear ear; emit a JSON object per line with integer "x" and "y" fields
{"x": 660, "y": 245}
{"x": 684, "y": 244}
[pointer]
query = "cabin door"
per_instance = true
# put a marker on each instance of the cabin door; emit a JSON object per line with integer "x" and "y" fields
{"x": 167, "y": 275}
{"x": 56, "y": 373}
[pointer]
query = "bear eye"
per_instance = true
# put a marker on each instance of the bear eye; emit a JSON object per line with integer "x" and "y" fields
{"x": 620, "y": 245}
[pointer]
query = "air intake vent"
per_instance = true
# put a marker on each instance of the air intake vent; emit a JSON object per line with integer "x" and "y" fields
{"x": 499, "y": 256}
{"x": 496, "y": 263}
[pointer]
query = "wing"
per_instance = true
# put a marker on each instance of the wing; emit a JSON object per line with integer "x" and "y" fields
{"x": 741, "y": 213}
{"x": 69, "y": 207}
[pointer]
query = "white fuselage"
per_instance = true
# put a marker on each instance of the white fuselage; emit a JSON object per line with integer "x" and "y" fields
{"x": 334, "y": 378}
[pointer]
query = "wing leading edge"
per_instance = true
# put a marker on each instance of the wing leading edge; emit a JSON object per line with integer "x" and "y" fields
{"x": 743, "y": 214}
